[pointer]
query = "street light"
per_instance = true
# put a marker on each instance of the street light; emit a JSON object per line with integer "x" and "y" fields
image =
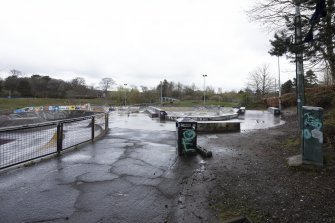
{"x": 161, "y": 93}
{"x": 204, "y": 75}
{"x": 125, "y": 94}
{"x": 279, "y": 85}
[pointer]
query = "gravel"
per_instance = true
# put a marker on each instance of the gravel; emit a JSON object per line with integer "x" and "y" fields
{"x": 248, "y": 176}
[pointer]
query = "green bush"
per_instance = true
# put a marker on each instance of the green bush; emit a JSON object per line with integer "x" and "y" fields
{"x": 323, "y": 99}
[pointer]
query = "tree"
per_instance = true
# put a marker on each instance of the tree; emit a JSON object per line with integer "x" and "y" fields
{"x": 1, "y": 84}
{"x": 134, "y": 96}
{"x": 279, "y": 16}
{"x": 24, "y": 87}
{"x": 326, "y": 78}
{"x": 106, "y": 83}
{"x": 260, "y": 80}
{"x": 287, "y": 87}
{"x": 311, "y": 79}
{"x": 79, "y": 87}
{"x": 11, "y": 83}
{"x": 279, "y": 44}
{"x": 16, "y": 73}
{"x": 78, "y": 82}
{"x": 39, "y": 85}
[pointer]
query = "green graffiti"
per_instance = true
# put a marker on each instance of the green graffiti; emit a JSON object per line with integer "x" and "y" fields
{"x": 312, "y": 122}
{"x": 189, "y": 134}
{"x": 187, "y": 139}
{"x": 307, "y": 134}
{"x": 312, "y": 127}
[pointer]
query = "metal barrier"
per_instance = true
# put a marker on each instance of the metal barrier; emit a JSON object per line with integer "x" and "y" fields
{"x": 20, "y": 144}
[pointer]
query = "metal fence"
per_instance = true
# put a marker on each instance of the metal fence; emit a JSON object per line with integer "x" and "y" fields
{"x": 20, "y": 144}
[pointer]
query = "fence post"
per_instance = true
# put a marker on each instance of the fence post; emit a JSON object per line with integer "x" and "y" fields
{"x": 93, "y": 123}
{"x": 59, "y": 137}
{"x": 106, "y": 122}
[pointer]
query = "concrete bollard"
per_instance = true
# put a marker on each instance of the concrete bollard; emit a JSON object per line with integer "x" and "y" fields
{"x": 204, "y": 152}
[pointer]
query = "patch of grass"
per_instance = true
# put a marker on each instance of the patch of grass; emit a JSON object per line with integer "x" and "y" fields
{"x": 227, "y": 212}
{"x": 292, "y": 144}
{"x": 31, "y": 163}
{"x": 15, "y": 103}
{"x": 192, "y": 103}
{"x": 329, "y": 117}
{"x": 328, "y": 159}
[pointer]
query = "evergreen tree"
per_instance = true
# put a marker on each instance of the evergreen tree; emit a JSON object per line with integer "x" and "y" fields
{"x": 317, "y": 17}
{"x": 311, "y": 79}
{"x": 287, "y": 87}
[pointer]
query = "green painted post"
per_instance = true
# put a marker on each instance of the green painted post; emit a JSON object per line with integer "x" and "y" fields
{"x": 299, "y": 69}
{"x": 92, "y": 130}
{"x": 59, "y": 137}
{"x": 106, "y": 122}
{"x": 312, "y": 135}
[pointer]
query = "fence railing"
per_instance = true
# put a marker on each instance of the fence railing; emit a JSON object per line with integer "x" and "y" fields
{"x": 21, "y": 144}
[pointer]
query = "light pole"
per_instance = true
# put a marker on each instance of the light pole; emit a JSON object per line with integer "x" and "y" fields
{"x": 161, "y": 93}
{"x": 204, "y": 75}
{"x": 279, "y": 85}
{"x": 125, "y": 94}
{"x": 299, "y": 70}
{"x": 299, "y": 63}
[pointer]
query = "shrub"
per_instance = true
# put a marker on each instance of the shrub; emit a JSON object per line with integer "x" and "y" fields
{"x": 322, "y": 99}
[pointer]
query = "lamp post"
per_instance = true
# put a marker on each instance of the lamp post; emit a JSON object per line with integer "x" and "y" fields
{"x": 204, "y": 75}
{"x": 279, "y": 86}
{"x": 161, "y": 93}
{"x": 299, "y": 70}
{"x": 125, "y": 94}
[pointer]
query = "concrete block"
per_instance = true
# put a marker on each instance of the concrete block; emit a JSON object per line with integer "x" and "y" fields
{"x": 218, "y": 126}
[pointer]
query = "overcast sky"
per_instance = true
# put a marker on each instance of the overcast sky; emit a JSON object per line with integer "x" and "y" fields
{"x": 138, "y": 42}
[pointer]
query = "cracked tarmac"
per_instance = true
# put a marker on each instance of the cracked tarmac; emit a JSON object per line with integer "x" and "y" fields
{"x": 133, "y": 174}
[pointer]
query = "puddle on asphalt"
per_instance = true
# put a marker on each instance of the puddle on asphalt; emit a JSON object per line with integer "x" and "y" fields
{"x": 76, "y": 158}
{"x": 224, "y": 150}
{"x": 251, "y": 120}
{"x": 212, "y": 136}
{"x": 139, "y": 121}
{"x": 202, "y": 166}
{"x": 121, "y": 194}
{"x": 202, "y": 162}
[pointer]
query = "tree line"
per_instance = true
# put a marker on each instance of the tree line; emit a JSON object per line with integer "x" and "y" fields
{"x": 39, "y": 86}
{"x": 262, "y": 84}
{"x": 43, "y": 86}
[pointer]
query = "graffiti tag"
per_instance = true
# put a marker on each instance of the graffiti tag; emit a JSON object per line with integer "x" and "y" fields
{"x": 187, "y": 139}
{"x": 312, "y": 127}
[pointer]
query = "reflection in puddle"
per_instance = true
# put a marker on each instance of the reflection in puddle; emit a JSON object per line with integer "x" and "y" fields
{"x": 251, "y": 120}
{"x": 258, "y": 120}
{"x": 76, "y": 158}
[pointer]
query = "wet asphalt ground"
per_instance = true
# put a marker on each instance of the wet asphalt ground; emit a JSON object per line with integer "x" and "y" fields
{"x": 133, "y": 174}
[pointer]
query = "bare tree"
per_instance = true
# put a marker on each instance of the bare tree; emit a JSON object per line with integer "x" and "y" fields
{"x": 79, "y": 87}
{"x": 260, "y": 80}
{"x": 279, "y": 16}
{"x": 272, "y": 14}
{"x": 78, "y": 82}
{"x": 326, "y": 78}
{"x": 15, "y": 72}
{"x": 106, "y": 83}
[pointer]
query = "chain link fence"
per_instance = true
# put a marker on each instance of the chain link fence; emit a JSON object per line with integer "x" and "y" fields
{"x": 20, "y": 144}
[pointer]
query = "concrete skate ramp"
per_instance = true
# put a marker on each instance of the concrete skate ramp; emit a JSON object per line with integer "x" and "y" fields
{"x": 27, "y": 118}
{"x": 210, "y": 113}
